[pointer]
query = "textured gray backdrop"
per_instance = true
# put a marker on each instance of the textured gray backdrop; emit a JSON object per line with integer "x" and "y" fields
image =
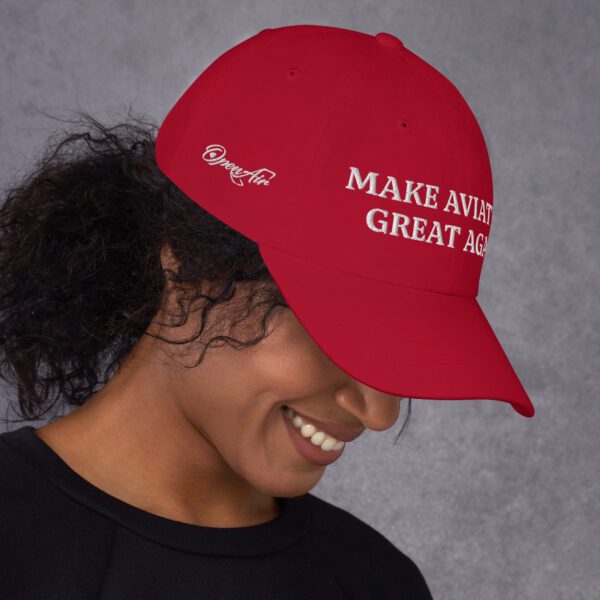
{"x": 491, "y": 505}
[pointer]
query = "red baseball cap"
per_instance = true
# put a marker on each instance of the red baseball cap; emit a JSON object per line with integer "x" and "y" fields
{"x": 363, "y": 176}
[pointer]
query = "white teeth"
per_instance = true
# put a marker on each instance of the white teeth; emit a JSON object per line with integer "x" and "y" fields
{"x": 308, "y": 430}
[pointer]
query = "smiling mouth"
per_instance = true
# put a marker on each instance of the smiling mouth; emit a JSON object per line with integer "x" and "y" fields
{"x": 309, "y": 431}
{"x": 336, "y": 431}
{"x": 313, "y": 444}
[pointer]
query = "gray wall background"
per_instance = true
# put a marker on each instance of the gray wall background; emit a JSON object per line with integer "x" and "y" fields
{"x": 490, "y": 505}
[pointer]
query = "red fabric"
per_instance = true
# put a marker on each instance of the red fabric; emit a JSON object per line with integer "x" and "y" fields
{"x": 364, "y": 177}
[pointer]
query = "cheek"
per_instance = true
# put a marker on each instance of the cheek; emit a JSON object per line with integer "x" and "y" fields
{"x": 254, "y": 443}
{"x": 291, "y": 373}
{"x": 234, "y": 397}
{"x": 234, "y": 400}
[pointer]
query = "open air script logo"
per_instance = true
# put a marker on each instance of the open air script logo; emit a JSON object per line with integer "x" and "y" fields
{"x": 214, "y": 154}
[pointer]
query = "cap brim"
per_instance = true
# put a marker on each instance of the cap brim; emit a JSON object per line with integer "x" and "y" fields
{"x": 399, "y": 340}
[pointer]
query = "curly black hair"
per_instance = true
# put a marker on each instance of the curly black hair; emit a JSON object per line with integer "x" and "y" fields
{"x": 81, "y": 277}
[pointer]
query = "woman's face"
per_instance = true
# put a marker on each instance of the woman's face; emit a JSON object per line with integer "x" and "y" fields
{"x": 235, "y": 399}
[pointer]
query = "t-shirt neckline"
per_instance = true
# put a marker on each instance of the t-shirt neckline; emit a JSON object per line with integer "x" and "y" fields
{"x": 286, "y": 528}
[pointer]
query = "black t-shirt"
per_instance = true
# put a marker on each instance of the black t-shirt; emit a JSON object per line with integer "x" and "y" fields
{"x": 63, "y": 538}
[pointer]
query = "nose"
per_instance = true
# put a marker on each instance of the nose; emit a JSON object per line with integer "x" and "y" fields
{"x": 376, "y": 410}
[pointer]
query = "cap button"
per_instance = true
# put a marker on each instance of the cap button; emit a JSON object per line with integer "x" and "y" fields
{"x": 388, "y": 40}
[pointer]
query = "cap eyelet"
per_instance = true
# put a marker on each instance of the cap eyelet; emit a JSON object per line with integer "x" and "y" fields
{"x": 402, "y": 125}
{"x": 292, "y": 73}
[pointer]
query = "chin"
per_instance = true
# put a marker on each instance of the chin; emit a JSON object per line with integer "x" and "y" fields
{"x": 291, "y": 483}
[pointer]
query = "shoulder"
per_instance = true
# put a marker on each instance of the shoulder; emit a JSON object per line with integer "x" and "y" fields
{"x": 42, "y": 527}
{"x": 19, "y": 480}
{"x": 371, "y": 551}
{"x": 28, "y": 495}
{"x": 34, "y": 508}
{"x": 28, "y": 499}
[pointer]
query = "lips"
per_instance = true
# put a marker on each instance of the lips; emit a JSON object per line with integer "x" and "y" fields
{"x": 337, "y": 430}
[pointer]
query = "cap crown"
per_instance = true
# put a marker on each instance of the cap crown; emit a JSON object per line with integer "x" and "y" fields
{"x": 339, "y": 147}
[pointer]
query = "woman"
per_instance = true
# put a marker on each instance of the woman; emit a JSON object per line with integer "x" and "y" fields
{"x": 205, "y": 410}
